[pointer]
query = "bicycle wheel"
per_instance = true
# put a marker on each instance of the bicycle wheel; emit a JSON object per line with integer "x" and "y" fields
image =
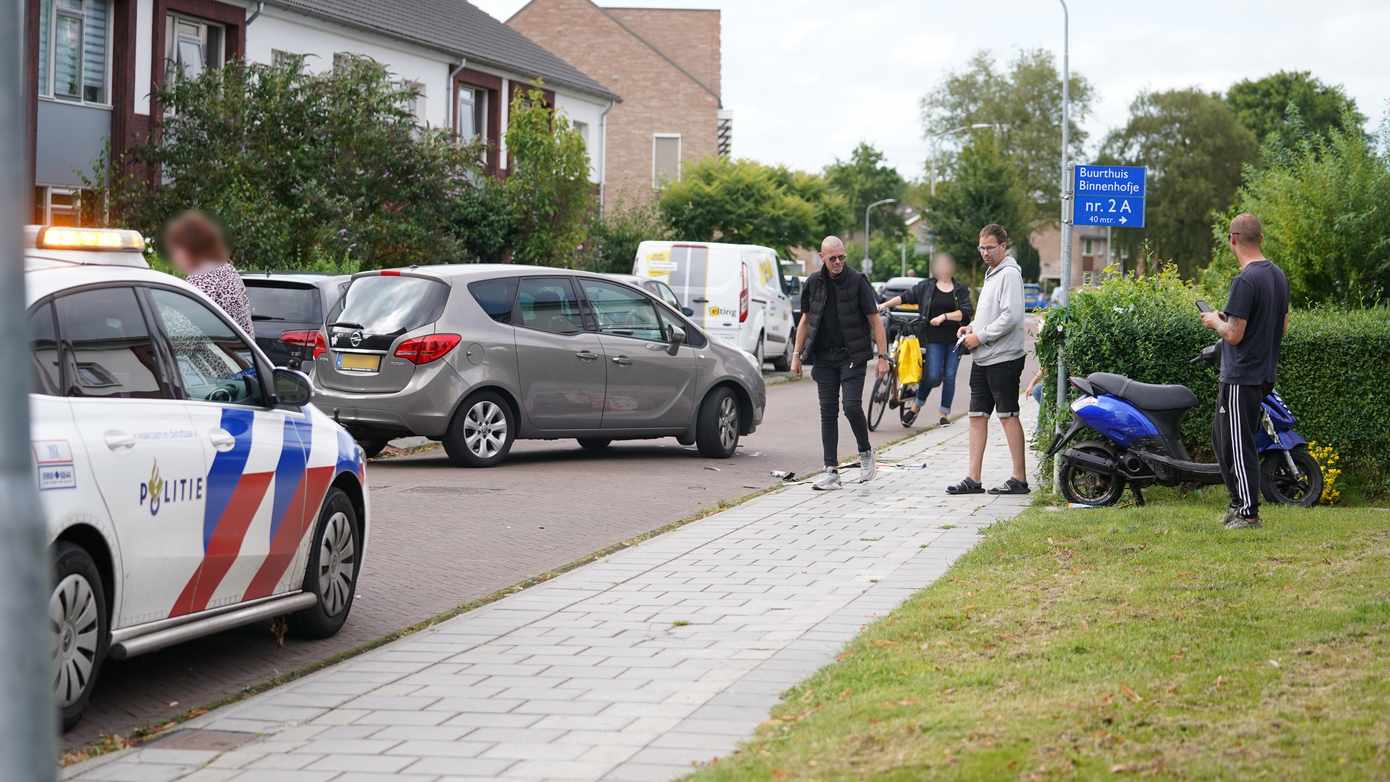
{"x": 884, "y": 388}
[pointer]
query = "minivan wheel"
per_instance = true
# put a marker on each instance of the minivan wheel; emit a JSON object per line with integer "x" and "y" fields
{"x": 77, "y": 619}
{"x": 482, "y": 431}
{"x": 717, "y": 432}
{"x": 334, "y": 553}
{"x": 783, "y": 363}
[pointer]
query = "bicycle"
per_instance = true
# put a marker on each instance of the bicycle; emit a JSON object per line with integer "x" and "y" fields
{"x": 887, "y": 392}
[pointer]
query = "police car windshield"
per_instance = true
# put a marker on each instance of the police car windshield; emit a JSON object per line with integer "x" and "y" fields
{"x": 390, "y": 305}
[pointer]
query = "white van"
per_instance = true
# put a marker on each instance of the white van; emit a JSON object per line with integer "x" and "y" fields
{"x": 736, "y": 292}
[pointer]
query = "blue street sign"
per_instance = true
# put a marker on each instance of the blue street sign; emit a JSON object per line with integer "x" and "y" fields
{"x": 1109, "y": 195}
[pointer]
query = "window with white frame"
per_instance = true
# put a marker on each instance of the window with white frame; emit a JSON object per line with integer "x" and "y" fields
{"x": 417, "y": 102}
{"x": 666, "y": 158}
{"x": 61, "y": 206}
{"x": 281, "y": 58}
{"x": 74, "y": 52}
{"x": 472, "y": 112}
{"x": 1088, "y": 246}
{"x": 191, "y": 46}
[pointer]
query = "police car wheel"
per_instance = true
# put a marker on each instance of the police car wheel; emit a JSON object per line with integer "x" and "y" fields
{"x": 482, "y": 431}
{"x": 334, "y": 555}
{"x": 77, "y": 619}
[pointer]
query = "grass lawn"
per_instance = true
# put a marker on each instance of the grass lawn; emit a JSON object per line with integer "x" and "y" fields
{"x": 1112, "y": 644}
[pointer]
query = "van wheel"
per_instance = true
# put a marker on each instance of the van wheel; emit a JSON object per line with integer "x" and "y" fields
{"x": 334, "y": 553}
{"x": 783, "y": 363}
{"x": 77, "y": 619}
{"x": 482, "y": 431}
{"x": 717, "y": 431}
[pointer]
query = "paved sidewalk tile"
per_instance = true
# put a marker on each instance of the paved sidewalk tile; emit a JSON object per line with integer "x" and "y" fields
{"x": 632, "y": 668}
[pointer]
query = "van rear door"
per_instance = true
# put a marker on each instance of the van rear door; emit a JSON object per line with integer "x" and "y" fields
{"x": 375, "y": 315}
{"x": 684, "y": 267}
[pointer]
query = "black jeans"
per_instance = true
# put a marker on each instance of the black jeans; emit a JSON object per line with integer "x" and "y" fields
{"x": 836, "y": 385}
{"x": 1233, "y": 427}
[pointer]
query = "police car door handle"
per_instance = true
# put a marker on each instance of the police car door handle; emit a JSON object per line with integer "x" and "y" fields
{"x": 119, "y": 441}
{"x": 221, "y": 440}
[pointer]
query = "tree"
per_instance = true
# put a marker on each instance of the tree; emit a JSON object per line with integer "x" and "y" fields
{"x": 1024, "y": 103}
{"x": 832, "y": 210}
{"x": 613, "y": 238}
{"x": 1194, "y": 147}
{"x": 304, "y": 170}
{"x": 862, "y": 180}
{"x": 548, "y": 189}
{"x": 738, "y": 201}
{"x": 1326, "y": 214}
{"x": 983, "y": 191}
{"x": 1263, "y": 104}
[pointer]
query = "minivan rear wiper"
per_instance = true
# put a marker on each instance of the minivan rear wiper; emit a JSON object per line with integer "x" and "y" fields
{"x": 343, "y": 324}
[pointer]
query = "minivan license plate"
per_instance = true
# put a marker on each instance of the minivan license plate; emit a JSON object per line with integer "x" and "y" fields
{"x": 359, "y": 362}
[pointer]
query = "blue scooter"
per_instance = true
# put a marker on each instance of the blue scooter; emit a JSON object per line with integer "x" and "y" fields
{"x": 1142, "y": 446}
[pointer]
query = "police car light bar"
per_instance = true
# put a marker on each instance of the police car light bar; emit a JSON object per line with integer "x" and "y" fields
{"x": 55, "y": 237}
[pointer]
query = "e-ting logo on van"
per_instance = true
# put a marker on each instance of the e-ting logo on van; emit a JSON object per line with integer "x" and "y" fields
{"x": 158, "y": 491}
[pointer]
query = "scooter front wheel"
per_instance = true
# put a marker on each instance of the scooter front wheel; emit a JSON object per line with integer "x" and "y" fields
{"x": 1279, "y": 484}
{"x": 1084, "y": 486}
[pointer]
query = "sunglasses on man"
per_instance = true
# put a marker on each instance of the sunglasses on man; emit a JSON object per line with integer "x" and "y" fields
{"x": 835, "y": 258}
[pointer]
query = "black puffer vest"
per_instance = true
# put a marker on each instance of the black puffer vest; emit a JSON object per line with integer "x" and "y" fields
{"x": 854, "y": 325}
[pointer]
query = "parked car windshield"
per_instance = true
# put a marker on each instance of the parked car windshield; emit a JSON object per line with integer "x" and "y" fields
{"x": 275, "y": 301}
{"x": 390, "y": 305}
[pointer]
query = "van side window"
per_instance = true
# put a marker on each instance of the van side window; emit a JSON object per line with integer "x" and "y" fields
{"x": 495, "y": 297}
{"x": 548, "y": 304}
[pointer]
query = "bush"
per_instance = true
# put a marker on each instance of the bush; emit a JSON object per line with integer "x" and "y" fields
{"x": 613, "y": 238}
{"x": 1332, "y": 371}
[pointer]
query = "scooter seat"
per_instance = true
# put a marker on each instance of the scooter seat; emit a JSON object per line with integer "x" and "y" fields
{"x": 1145, "y": 396}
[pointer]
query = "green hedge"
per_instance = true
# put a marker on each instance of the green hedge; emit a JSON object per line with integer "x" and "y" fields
{"x": 1334, "y": 370}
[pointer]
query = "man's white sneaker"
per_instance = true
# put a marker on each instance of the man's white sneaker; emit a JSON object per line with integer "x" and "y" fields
{"x": 830, "y": 481}
{"x": 868, "y": 466}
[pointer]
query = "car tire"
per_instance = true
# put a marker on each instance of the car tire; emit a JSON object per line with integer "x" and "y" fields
{"x": 783, "y": 363}
{"x": 719, "y": 424}
{"x": 77, "y": 612}
{"x": 335, "y": 553}
{"x": 482, "y": 431}
{"x": 595, "y": 443}
{"x": 372, "y": 448}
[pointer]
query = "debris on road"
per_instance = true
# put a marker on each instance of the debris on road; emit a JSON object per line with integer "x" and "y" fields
{"x": 785, "y": 475}
{"x": 711, "y": 468}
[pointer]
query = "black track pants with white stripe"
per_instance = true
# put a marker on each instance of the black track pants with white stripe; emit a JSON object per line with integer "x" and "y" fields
{"x": 1233, "y": 430}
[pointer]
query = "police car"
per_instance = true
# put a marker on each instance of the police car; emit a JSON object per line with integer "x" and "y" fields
{"x": 188, "y": 486}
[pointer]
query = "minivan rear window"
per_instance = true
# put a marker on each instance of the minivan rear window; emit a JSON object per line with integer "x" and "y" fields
{"x": 391, "y": 304}
{"x": 278, "y": 301}
{"x": 495, "y": 297}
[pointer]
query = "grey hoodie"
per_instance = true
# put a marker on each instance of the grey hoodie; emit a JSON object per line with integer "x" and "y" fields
{"x": 999, "y": 315}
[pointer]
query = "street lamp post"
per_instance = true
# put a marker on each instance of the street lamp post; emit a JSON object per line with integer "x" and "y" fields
{"x": 869, "y": 262}
{"x": 27, "y": 715}
{"x": 1065, "y": 282}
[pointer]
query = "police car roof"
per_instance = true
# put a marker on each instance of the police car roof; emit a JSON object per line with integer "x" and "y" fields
{"x": 44, "y": 276}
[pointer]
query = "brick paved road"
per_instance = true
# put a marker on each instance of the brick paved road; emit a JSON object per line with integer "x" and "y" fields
{"x": 444, "y": 536}
{"x": 629, "y": 669}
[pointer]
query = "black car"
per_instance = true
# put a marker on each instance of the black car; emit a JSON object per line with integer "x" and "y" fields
{"x": 288, "y": 310}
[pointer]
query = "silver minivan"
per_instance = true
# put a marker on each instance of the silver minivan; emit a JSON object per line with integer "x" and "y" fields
{"x": 478, "y": 355}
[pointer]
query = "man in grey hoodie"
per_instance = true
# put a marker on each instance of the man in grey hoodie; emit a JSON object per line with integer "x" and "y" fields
{"x": 995, "y": 340}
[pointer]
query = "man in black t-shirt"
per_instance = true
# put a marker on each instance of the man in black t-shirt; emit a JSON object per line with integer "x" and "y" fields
{"x": 837, "y": 334}
{"x": 1251, "y": 330}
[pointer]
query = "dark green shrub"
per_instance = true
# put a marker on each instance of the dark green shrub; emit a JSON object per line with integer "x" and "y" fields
{"x": 1334, "y": 370}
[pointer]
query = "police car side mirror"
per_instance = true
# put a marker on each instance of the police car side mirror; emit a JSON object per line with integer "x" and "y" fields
{"x": 292, "y": 388}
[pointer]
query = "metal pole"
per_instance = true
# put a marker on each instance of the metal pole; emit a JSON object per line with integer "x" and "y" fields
{"x": 28, "y": 720}
{"x": 903, "y": 273}
{"x": 1065, "y": 282}
{"x": 869, "y": 262}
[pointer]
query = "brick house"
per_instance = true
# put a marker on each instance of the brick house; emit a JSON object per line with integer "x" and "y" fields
{"x": 666, "y": 65}
{"x": 91, "y": 66}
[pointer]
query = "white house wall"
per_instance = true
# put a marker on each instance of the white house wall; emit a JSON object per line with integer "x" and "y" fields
{"x": 589, "y": 112}
{"x": 319, "y": 41}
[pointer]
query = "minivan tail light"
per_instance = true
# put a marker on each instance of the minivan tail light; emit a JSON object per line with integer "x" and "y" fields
{"x": 423, "y": 350}
{"x": 743, "y": 294}
{"x": 306, "y": 339}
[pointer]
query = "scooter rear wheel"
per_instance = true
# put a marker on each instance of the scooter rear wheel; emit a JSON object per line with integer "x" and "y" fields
{"x": 1083, "y": 486}
{"x": 1283, "y": 487}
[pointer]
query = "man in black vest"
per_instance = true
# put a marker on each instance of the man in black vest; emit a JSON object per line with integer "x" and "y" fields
{"x": 838, "y": 331}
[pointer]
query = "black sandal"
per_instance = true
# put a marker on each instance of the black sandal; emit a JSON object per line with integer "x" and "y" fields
{"x": 967, "y": 486}
{"x": 1011, "y": 486}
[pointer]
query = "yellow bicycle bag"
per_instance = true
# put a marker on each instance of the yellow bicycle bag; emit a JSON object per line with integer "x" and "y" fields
{"x": 909, "y": 360}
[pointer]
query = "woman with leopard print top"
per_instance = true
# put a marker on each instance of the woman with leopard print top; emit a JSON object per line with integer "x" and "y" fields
{"x": 194, "y": 244}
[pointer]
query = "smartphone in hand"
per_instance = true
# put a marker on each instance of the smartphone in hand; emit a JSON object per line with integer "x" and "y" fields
{"x": 1203, "y": 307}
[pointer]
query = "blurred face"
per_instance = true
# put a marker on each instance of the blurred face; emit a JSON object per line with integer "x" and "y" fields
{"x": 991, "y": 250}
{"x": 943, "y": 267}
{"x": 833, "y": 255}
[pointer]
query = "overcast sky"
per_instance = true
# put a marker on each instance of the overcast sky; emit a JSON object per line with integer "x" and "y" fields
{"x": 808, "y": 79}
